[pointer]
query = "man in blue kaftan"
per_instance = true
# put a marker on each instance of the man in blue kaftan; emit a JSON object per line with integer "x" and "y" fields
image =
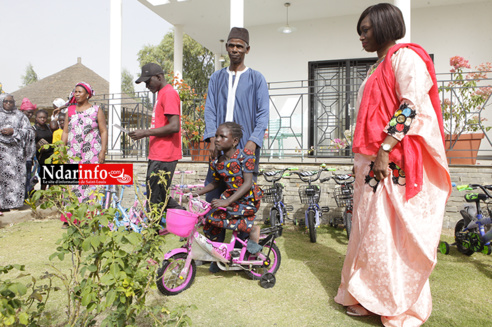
{"x": 239, "y": 94}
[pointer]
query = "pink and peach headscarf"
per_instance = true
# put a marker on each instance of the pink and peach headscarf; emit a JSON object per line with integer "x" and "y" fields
{"x": 86, "y": 86}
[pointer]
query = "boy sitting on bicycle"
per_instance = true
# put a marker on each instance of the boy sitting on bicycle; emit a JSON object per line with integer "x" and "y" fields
{"x": 235, "y": 168}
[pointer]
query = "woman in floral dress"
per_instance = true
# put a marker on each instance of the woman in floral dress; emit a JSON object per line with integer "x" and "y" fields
{"x": 85, "y": 132}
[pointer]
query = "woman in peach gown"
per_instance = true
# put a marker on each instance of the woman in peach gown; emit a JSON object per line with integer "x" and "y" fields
{"x": 402, "y": 179}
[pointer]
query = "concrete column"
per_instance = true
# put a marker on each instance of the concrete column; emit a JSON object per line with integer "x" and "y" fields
{"x": 405, "y": 7}
{"x": 178, "y": 51}
{"x": 237, "y": 13}
{"x": 178, "y": 57}
{"x": 218, "y": 64}
{"x": 114, "y": 115}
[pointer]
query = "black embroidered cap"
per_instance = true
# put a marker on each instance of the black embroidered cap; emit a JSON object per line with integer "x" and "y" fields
{"x": 239, "y": 33}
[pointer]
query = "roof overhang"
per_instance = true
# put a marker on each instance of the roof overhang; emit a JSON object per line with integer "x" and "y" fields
{"x": 207, "y": 21}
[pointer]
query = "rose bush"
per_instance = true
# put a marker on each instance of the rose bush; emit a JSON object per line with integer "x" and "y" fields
{"x": 465, "y": 96}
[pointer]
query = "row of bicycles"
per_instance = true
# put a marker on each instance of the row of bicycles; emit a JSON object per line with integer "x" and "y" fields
{"x": 178, "y": 269}
{"x": 134, "y": 217}
{"x": 309, "y": 194}
{"x": 472, "y": 233}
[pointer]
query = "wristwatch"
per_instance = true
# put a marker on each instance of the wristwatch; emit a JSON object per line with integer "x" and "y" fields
{"x": 386, "y": 147}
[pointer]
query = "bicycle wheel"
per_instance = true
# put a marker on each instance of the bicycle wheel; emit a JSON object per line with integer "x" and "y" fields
{"x": 168, "y": 281}
{"x": 347, "y": 221}
{"x": 312, "y": 227}
{"x": 273, "y": 261}
{"x": 487, "y": 250}
{"x": 461, "y": 238}
{"x": 275, "y": 219}
{"x": 443, "y": 247}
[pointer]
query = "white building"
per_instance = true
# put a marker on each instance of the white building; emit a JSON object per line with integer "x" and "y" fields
{"x": 325, "y": 30}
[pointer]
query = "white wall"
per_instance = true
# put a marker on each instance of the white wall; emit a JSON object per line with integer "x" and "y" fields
{"x": 445, "y": 31}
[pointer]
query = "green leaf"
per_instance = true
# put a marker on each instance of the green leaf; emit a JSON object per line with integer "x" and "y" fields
{"x": 23, "y": 318}
{"x": 19, "y": 267}
{"x": 53, "y": 255}
{"x": 114, "y": 269}
{"x": 110, "y": 297}
{"x": 18, "y": 288}
{"x": 37, "y": 296}
{"x": 95, "y": 241}
{"x": 91, "y": 306}
{"x": 86, "y": 245}
{"x": 9, "y": 321}
{"x": 92, "y": 268}
{"x": 107, "y": 280}
{"x": 134, "y": 238}
{"x": 86, "y": 299}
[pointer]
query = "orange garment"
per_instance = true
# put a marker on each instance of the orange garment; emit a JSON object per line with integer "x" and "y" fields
{"x": 392, "y": 247}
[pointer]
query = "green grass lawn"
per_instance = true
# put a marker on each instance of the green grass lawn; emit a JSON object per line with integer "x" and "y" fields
{"x": 307, "y": 281}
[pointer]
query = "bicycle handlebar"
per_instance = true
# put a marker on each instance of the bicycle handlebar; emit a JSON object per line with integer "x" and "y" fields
{"x": 345, "y": 179}
{"x": 470, "y": 187}
{"x": 307, "y": 176}
{"x": 276, "y": 175}
{"x": 204, "y": 205}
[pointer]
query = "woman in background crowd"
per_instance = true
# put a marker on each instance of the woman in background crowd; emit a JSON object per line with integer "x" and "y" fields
{"x": 15, "y": 129}
{"x": 28, "y": 110}
{"x": 59, "y": 106}
{"x": 44, "y": 136}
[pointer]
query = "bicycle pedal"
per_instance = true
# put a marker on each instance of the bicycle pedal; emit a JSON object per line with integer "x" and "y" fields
{"x": 289, "y": 208}
{"x": 235, "y": 254}
{"x": 325, "y": 209}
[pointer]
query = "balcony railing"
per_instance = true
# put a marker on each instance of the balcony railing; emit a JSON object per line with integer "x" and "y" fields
{"x": 308, "y": 119}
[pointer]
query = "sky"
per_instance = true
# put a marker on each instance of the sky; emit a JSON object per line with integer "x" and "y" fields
{"x": 51, "y": 34}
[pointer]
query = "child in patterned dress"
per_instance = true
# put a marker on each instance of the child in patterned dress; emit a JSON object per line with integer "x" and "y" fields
{"x": 242, "y": 195}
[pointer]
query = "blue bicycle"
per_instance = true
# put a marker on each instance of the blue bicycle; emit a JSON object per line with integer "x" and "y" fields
{"x": 134, "y": 218}
{"x": 310, "y": 194}
{"x": 274, "y": 194}
{"x": 344, "y": 197}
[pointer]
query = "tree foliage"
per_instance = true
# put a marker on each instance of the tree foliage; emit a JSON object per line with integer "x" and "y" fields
{"x": 127, "y": 83}
{"x": 30, "y": 76}
{"x": 198, "y": 61}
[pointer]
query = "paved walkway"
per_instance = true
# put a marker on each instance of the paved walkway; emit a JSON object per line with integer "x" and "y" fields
{"x": 24, "y": 213}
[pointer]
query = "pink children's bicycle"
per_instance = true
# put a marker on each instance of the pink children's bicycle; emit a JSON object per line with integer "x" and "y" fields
{"x": 178, "y": 270}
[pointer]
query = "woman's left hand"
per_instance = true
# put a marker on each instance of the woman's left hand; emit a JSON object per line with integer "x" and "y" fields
{"x": 381, "y": 164}
{"x": 101, "y": 158}
{"x": 219, "y": 203}
{"x": 8, "y": 131}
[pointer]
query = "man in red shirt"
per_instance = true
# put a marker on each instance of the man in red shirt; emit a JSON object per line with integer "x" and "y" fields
{"x": 164, "y": 133}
